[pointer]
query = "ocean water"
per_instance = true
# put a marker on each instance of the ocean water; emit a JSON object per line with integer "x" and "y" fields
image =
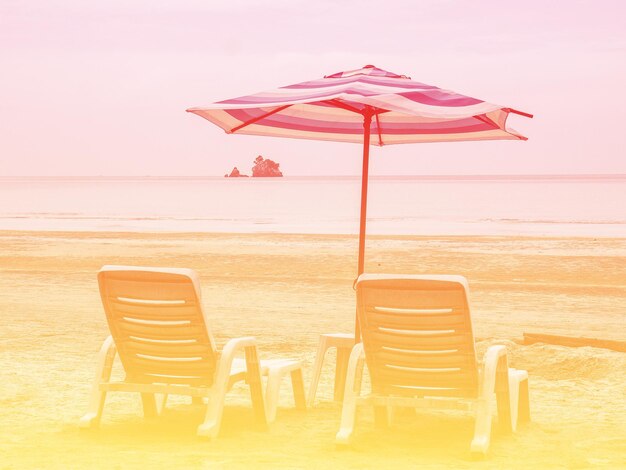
{"x": 406, "y": 205}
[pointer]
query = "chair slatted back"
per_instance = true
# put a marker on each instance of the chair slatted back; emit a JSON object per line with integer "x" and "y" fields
{"x": 417, "y": 335}
{"x": 156, "y": 320}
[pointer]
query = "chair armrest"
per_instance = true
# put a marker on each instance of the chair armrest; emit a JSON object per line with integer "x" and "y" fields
{"x": 104, "y": 366}
{"x": 496, "y": 381}
{"x": 253, "y": 372}
{"x": 351, "y": 394}
{"x": 491, "y": 359}
{"x": 355, "y": 371}
{"x": 106, "y": 345}
{"x": 228, "y": 353}
{"x": 235, "y": 345}
{"x": 105, "y": 359}
{"x": 495, "y": 357}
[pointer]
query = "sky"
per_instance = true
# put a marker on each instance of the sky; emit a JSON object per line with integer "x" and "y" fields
{"x": 101, "y": 88}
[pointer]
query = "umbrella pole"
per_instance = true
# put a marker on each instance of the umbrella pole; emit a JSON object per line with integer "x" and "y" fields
{"x": 367, "y": 120}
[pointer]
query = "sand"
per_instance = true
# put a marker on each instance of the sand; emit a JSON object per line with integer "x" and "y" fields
{"x": 286, "y": 290}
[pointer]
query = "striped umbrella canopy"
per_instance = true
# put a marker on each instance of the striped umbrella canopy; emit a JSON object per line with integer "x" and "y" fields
{"x": 369, "y": 106}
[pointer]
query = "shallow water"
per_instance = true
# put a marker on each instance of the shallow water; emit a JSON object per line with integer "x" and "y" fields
{"x": 566, "y": 206}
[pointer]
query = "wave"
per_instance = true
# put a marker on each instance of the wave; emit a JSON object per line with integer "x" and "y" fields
{"x": 330, "y": 218}
{"x": 554, "y": 221}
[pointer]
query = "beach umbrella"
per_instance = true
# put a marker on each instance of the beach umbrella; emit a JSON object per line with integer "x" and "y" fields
{"x": 367, "y": 106}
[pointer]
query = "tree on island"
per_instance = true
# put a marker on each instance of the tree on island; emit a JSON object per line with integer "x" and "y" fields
{"x": 265, "y": 167}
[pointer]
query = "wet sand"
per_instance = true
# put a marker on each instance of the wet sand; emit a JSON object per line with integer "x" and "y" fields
{"x": 286, "y": 290}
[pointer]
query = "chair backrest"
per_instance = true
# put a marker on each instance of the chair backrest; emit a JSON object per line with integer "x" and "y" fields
{"x": 156, "y": 319}
{"x": 417, "y": 335}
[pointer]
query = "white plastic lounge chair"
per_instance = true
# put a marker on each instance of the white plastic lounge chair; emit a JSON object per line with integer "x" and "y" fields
{"x": 419, "y": 349}
{"x": 160, "y": 331}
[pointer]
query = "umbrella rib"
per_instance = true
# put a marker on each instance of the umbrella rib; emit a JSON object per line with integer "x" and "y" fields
{"x": 368, "y": 109}
{"x": 258, "y": 118}
{"x": 341, "y": 104}
{"x": 380, "y": 136}
{"x": 515, "y": 111}
{"x": 486, "y": 120}
{"x": 491, "y": 122}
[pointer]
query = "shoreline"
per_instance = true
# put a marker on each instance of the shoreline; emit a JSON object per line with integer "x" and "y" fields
{"x": 113, "y": 233}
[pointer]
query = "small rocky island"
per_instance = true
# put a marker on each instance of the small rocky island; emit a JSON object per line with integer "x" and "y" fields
{"x": 235, "y": 174}
{"x": 263, "y": 167}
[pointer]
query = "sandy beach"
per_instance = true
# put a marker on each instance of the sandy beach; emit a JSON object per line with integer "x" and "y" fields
{"x": 286, "y": 290}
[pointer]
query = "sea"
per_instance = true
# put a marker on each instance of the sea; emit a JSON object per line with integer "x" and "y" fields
{"x": 522, "y": 205}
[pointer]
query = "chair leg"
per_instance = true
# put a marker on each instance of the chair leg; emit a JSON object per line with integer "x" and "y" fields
{"x": 274, "y": 378}
{"x": 271, "y": 395}
{"x": 391, "y": 414}
{"x": 317, "y": 369}
{"x": 213, "y": 417}
{"x": 351, "y": 394}
{"x": 103, "y": 374}
{"x": 503, "y": 396}
{"x": 514, "y": 388}
{"x": 210, "y": 427}
{"x": 482, "y": 428}
{"x": 343, "y": 356}
{"x": 297, "y": 383}
{"x": 92, "y": 418}
{"x": 161, "y": 401}
{"x": 494, "y": 381}
{"x": 523, "y": 413}
{"x": 149, "y": 403}
{"x": 253, "y": 378}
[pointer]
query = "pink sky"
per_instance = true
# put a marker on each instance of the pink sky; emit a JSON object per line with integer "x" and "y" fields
{"x": 101, "y": 89}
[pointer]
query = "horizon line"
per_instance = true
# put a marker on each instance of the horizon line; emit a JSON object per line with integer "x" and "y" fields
{"x": 421, "y": 176}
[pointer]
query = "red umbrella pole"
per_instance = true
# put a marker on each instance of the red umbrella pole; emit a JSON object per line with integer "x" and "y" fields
{"x": 367, "y": 120}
